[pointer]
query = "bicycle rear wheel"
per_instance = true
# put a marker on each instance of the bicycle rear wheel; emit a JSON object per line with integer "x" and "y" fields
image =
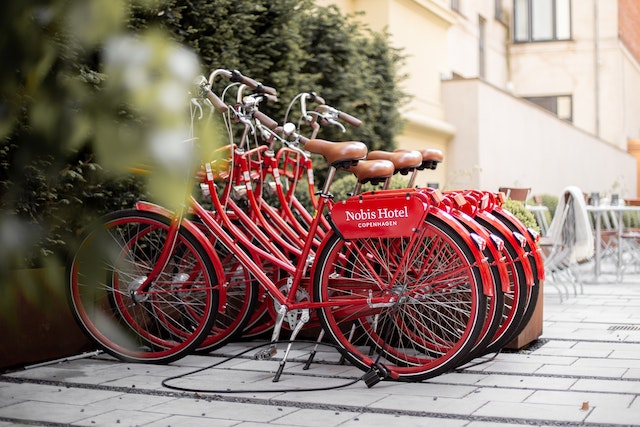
{"x": 241, "y": 293}
{"x": 438, "y": 309}
{"x": 160, "y": 325}
{"x": 511, "y": 222}
{"x": 515, "y": 302}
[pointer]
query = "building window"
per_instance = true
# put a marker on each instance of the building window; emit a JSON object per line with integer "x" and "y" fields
{"x": 455, "y": 5}
{"x": 560, "y": 105}
{"x": 498, "y": 11}
{"x": 541, "y": 20}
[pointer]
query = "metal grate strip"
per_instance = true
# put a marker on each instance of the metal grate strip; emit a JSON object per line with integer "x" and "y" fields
{"x": 624, "y": 328}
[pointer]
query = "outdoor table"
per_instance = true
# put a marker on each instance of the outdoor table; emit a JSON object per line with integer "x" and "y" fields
{"x": 598, "y": 212}
{"x": 539, "y": 212}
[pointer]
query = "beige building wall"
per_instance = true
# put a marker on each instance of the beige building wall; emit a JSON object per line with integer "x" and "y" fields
{"x": 526, "y": 146}
{"x": 595, "y": 67}
{"x": 420, "y": 28}
{"x": 463, "y": 43}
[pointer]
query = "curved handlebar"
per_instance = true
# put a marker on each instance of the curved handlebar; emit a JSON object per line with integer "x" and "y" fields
{"x": 237, "y": 77}
{"x": 349, "y": 119}
{"x": 353, "y": 121}
{"x": 311, "y": 97}
{"x": 281, "y": 130}
{"x": 212, "y": 97}
{"x": 265, "y": 120}
{"x": 258, "y": 96}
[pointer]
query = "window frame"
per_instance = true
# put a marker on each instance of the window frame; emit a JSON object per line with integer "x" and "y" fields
{"x": 555, "y": 27}
{"x": 498, "y": 11}
{"x": 482, "y": 54}
{"x": 550, "y": 104}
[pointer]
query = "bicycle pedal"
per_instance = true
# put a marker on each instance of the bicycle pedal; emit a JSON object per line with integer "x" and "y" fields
{"x": 266, "y": 353}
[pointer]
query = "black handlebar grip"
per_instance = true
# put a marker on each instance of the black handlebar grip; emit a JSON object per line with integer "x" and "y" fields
{"x": 349, "y": 119}
{"x": 267, "y": 90}
{"x": 265, "y": 120}
{"x": 218, "y": 104}
{"x": 237, "y": 77}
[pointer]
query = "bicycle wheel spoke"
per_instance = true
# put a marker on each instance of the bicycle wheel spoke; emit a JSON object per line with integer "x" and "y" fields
{"x": 419, "y": 310}
{"x": 160, "y": 323}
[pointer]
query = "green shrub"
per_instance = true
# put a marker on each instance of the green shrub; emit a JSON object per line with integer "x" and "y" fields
{"x": 548, "y": 200}
{"x": 344, "y": 185}
{"x": 518, "y": 209}
{"x": 57, "y": 102}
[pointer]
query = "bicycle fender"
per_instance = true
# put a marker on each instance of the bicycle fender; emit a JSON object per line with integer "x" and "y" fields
{"x": 481, "y": 261}
{"x": 191, "y": 227}
{"x": 522, "y": 255}
{"x": 470, "y": 224}
{"x": 535, "y": 252}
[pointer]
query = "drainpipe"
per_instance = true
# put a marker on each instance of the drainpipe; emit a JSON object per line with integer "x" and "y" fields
{"x": 596, "y": 67}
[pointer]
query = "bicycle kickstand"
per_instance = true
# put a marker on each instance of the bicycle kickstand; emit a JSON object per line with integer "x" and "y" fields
{"x": 304, "y": 318}
{"x": 314, "y": 351}
{"x": 271, "y": 351}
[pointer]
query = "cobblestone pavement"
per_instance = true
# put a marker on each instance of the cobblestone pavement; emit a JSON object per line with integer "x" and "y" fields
{"x": 583, "y": 371}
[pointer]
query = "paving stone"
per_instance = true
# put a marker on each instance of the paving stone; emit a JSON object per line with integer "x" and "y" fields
{"x": 35, "y": 411}
{"x": 205, "y": 360}
{"x": 487, "y": 394}
{"x": 385, "y": 420}
{"x": 490, "y": 424}
{"x": 462, "y": 378}
{"x": 442, "y": 405}
{"x": 141, "y": 381}
{"x": 546, "y": 359}
{"x": 624, "y": 416}
{"x": 58, "y": 394}
{"x": 193, "y": 421}
{"x": 583, "y": 371}
{"x": 527, "y": 382}
{"x": 130, "y": 402}
{"x": 121, "y": 417}
{"x": 315, "y": 418}
{"x": 427, "y": 389}
{"x": 352, "y": 397}
{"x": 540, "y": 412}
{"x": 222, "y": 410}
{"x": 576, "y": 398}
{"x": 545, "y": 385}
{"x": 609, "y": 362}
{"x": 612, "y": 386}
{"x": 254, "y": 424}
{"x": 522, "y": 367}
{"x": 632, "y": 374}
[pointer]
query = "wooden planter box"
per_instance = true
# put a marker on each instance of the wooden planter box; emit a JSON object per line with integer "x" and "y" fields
{"x": 35, "y": 320}
{"x": 533, "y": 330}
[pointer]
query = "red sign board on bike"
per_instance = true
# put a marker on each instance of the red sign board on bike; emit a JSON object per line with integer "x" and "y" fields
{"x": 383, "y": 215}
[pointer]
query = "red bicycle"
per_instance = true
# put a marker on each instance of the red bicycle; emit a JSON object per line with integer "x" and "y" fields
{"x": 397, "y": 285}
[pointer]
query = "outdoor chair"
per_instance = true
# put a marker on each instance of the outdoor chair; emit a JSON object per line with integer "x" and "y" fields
{"x": 568, "y": 243}
{"x": 626, "y": 234}
{"x": 516, "y": 193}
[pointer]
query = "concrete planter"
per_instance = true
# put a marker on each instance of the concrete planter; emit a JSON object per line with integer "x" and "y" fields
{"x": 36, "y": 322}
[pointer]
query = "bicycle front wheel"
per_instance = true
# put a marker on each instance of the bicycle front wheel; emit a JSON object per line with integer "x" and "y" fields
{"x": 438, "y": 310}
{"x": 160, "y": 324}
